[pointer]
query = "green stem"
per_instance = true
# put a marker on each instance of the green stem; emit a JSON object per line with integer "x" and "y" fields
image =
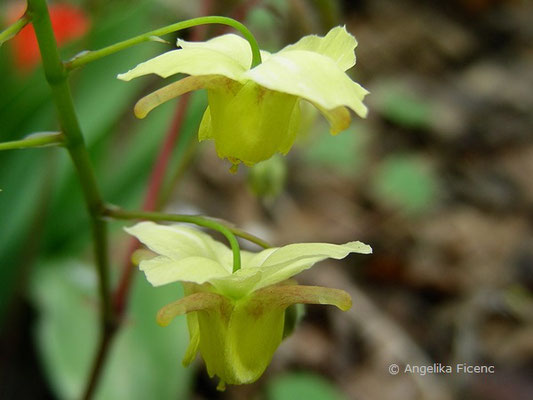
{"x": 13, "y": 29}
{"x": 227, "y": 231}
{"x": 248, "y": 236}
{"x": 35, "y": 140}
{"x": 89, "y": 56}
{"x": 56, "y": 75}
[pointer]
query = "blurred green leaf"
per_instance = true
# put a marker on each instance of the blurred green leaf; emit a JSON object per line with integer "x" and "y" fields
{"x": 405, "y": 109}
{"x": 144, "y": 362}
{"x": 302, "y": 386}
{"x": 406, "y": 183}
{"x": 21, "y": 183}
{"x": 26, "y": 107}
{"x": 344, "y": 153}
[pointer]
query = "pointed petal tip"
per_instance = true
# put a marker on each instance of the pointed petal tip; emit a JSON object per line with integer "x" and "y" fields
{"x": 124, "y": 77}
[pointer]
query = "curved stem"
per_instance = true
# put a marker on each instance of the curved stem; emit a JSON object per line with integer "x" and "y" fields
{"x": 192, "y": 219}
{"x": 248, "y": 236}
{"x": 14, "y": 28}
{"x": 117, "y": 213}
{"x": 89, "y": 56}
{"x": 35, "y": 140}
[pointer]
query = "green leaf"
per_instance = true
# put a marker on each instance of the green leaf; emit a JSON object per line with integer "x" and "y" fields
{"x": 144, "y": 360}
{"x": 21, "y": 180}
{"x": 407, "y": 184}
{"x": 302, "y": 385}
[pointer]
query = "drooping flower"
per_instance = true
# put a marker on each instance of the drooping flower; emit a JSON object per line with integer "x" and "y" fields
{"x": 235, "y": 319}
{"x": 255, "y": 112}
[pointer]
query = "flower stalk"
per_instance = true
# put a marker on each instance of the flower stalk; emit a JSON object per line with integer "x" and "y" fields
{"x": 14, "y": 28}
{"x": 56, "y": 76}
{"x": 228, "y": 231}
{"x": 41, "y": 139}
{"x": 89, "y": 56}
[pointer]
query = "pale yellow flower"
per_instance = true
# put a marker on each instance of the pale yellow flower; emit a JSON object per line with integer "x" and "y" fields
{"x": 255, "y": 112}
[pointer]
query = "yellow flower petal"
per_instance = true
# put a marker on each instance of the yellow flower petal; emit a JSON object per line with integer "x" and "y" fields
{"x": 192, "y": 60}
{"x": 177, "y": 242}
{"x": 230, "y": 45}
{"x": 312, "y": 76}
{"x": 163, "y": 270}
{"x": 338, "y": 44}
{"x": 292, "y": 259}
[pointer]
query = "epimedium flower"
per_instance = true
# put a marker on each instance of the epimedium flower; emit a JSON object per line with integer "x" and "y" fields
{"x": 235, "y": 319}
{"x": 255, "y": 112}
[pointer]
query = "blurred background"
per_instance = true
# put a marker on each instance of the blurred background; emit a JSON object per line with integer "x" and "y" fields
{"x": 438, "y": 180}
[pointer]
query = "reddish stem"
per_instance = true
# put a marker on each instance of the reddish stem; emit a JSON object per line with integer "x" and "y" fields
{"x": 157, "y": 177}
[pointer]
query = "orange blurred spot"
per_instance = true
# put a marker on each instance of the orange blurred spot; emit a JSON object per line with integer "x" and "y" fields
{"x": 68, "y": 22}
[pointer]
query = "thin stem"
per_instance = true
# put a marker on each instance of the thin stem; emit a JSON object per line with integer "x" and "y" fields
{"x": 192, "y": 219}
{"x": 14, "y": 28}
{"x": 35, "y": 140}
{"x": 99, "y": 361}
{"x": 56, "y": 76}
{"x": 117, "y": 213}
{"x": 89, "y": 56}
{"x": 157, "y": 175}
{"x": 248, "y": 236}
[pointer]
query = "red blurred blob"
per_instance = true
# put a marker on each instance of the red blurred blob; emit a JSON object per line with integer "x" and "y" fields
{"x": 68, "y": 22}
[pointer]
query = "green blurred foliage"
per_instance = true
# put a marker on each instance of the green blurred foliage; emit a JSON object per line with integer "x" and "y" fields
{"x": 302, "y": 385}
{"x": 403, "y": 106}
{"x": 145, "y": 358}
{"x": 43, "y": 214}
{"x": 406, "y": 184}
{"x": 122, "y": 163}
{"x": 344, "y": 153}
